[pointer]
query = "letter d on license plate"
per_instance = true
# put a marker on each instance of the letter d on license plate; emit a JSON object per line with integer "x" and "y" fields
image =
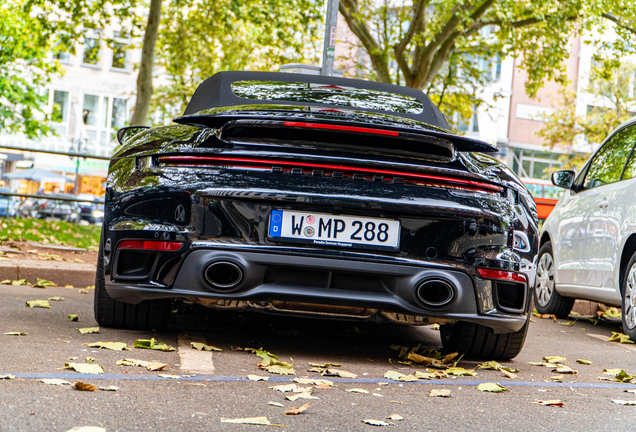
{"x": 328, "y": 230}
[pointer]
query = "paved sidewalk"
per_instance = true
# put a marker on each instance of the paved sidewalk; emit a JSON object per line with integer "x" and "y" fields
{"x": 62, "y": 273}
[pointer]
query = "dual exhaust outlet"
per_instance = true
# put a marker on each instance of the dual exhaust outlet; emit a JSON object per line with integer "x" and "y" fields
{"x": 226, "y": 275}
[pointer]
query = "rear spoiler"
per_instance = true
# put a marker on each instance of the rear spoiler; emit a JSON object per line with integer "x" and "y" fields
{"x": 434, "y": 144}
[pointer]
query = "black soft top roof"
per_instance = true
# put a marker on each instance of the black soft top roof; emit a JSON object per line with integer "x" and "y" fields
{"x": 216, "y": 92}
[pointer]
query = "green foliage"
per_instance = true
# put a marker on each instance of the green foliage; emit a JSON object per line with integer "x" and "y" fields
{"x": 614, "y": 102}
{"x": 50, "y": 231}
{"x": 447, "y": 47}
{"x": 30, "y": 32}
{"x": 24, "y": 69}
{"x": 199, "y": 38}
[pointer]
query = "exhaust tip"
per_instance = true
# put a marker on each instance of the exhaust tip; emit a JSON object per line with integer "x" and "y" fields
{"x": 435, "y": 292}
{"x": 223, "y": 274}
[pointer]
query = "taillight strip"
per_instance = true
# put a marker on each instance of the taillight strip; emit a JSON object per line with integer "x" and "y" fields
{"x": 341, "y": 128}
{"x": 501, "y": 274}
{"x": 217, "y": 160}
{"x": 150, "y": 245}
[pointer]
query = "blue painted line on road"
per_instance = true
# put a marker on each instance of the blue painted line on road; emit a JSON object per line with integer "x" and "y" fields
{"x": 218, "y": 378}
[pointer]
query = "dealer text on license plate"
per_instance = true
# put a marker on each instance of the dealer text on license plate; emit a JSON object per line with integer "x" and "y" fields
{"x": 329, "y": 230}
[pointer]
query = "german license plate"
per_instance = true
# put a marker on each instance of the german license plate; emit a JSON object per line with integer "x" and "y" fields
{"x": 328, "y": 230}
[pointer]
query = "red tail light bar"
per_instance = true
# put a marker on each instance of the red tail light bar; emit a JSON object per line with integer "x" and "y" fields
{"x": 342, "y": 128}
{"x": 150, "y": 245}
{"x": 501, "y": 275}
{"x": 248, "y": 163}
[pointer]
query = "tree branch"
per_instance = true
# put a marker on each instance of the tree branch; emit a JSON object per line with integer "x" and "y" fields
{"x": 417, "y": 25}
{"x": 349, "y": 10}
{"x": 442, "y": 47}
{"x": 616, "y": 20}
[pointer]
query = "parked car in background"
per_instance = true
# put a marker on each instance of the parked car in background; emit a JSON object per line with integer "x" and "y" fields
{"x": 318, "y": 196}
{"x": 6, "y": 203}
{"x": 50, "y": 207}
{"x": 588, "y": 243}
{"x": 90, "y": 211}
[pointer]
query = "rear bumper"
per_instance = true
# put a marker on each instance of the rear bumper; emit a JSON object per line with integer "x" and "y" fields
{"x": 332, "y": 281}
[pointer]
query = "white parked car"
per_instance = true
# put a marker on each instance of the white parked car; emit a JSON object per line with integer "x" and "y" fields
{"x": 588, "y": 243}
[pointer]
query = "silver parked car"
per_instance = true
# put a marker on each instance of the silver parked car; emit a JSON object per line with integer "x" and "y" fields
{"x": 588, "y": 243}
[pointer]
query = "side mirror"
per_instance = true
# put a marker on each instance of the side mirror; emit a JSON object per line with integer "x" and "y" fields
{"x": 564, "y": 178}
{"x": 124, "y": 134}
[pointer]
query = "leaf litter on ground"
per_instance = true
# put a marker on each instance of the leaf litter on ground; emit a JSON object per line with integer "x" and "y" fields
{"x": 38, "y": 304}
{"x": 620, "y": 338}
{"x": 54, "y": 381}
{"x": 552, "y": 403}
{"x": 151, "y": 366}
{"x": 440, "y": 393}
{"x": 397, "y": 376}
{"x": 298, "y": 410}
{"x": 15, "y": 334}
{"x": 395, "y": 417}
{"x": 85, "y": 368}
{"x": 79, "y": 385}
{"x": 43, "y": 283}
{"x": 203, "y": 347}
{"x": 88, "y": 330}
{"x": 271, "y": 363}
{"x": 357, "y": 390}
{"x": 430, "y": 357}
{"x": 491, "y": 387}
{"x": 257, "y": 378}
{"x": 313, "y": 381}
{"x": 582, "y": 361}
{"x": 373, "y": 422}
{"x": 114, "y": 346}
{"x": 73, "y": 317}
{"x": 624, "y": 402}
{"x": 152, "y": 344}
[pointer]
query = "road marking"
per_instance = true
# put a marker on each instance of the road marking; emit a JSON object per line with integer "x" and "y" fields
{"x": 244, "y": 379}
{"x": 606, "y": 339}
{"x": 191, "y": 360}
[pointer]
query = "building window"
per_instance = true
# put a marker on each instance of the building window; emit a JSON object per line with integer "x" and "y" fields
{"x": 104, "y": 115}
{"x": 62, "y": 57}
{"x": 470, "y": 125}
{"x": 535, "y": 164}
{"x": 89, "y": 111}
{"x": 118, "y": 118}
{"x": 91, "y": 51}
{"x": 119, "y": 56}
{"x": 60, "y": 106}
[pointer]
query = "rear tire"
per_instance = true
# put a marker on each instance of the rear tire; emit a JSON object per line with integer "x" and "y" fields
{"x": 477, "y": 341}
{"x": 628, "y": 303}
{"x": 546, "y": 298}
{"x": 147, "y": 315}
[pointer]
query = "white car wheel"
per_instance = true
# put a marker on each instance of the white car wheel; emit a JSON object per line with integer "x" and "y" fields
{"x": 629, "y": 301}
{"x": 545, "y": 279}
{"x": 547, "y": 298}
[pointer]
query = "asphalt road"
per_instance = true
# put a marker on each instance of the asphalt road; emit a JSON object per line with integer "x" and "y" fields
{"x": 214, "y": 385}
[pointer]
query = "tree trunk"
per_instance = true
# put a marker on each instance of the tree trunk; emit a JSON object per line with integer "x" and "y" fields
{"x": 144, "y": 80}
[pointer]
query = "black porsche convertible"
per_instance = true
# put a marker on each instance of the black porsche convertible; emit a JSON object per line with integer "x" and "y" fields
{"x": 318, "y": 196}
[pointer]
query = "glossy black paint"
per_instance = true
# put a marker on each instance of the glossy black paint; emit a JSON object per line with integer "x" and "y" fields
{"x": 226, "y": 211}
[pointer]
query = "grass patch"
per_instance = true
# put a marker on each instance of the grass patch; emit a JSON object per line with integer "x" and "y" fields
{"x": 50, "y": 231}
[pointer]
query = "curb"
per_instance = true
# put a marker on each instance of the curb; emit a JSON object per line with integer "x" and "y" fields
{"x": 61, "y": 273}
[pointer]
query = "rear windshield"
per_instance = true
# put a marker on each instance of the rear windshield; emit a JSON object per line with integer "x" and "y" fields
{"x": 327, "y": 94}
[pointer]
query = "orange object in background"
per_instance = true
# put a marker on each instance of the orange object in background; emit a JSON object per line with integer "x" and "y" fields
{"x": 545, "y": 195}
{"x": 545, "y": 206}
